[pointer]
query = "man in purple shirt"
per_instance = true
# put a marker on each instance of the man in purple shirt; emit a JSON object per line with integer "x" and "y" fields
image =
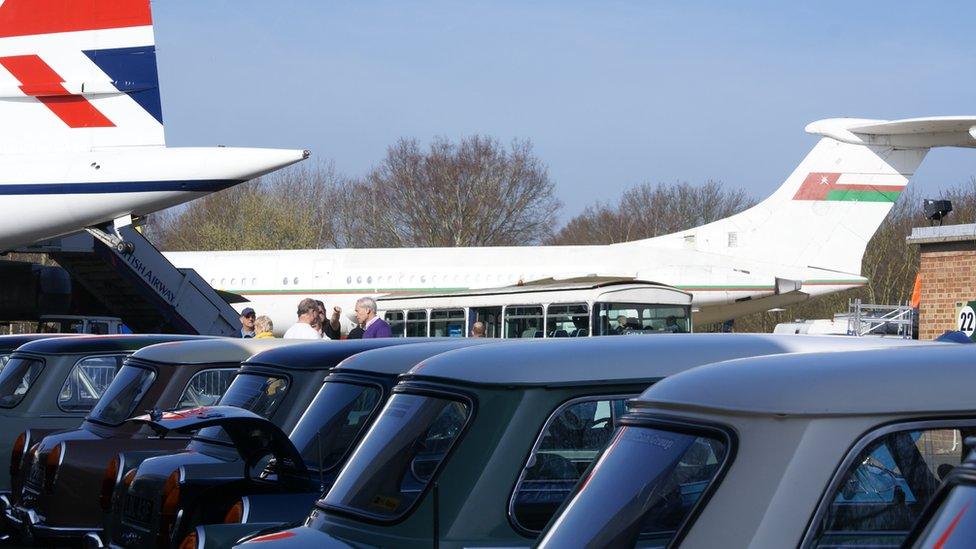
{"x": 373, "y": 326}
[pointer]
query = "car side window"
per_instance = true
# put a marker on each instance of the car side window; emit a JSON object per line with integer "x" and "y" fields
{"x": 206, "y": 387}
{"x": 572, "y": 438}
{"x": 888, "y": 484}
{"x": 87, "y": 381}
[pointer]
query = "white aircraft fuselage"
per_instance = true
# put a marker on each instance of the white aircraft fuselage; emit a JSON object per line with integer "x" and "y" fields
{"x": 806, "y": 239}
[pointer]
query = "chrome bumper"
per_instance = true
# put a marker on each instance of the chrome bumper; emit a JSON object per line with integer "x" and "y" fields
{"x": 31, "y": 525}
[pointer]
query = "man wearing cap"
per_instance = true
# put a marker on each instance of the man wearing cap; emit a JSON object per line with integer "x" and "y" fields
{"x": 247, "y": 322}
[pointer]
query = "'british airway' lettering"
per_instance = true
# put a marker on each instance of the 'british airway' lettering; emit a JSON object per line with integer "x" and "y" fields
{"x": 27, "y": 17}
{"x": 39, "y": 80}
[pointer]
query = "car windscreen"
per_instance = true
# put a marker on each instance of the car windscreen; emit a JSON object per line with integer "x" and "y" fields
{"x": 333, "y": 422}
{"x": 257, "y": 393}
{"x": 643, "y": 486}
{"x": 954, "y": 523}
{"x": 16, "y": 379}
{"x": 120, "y": 399}
{"x": 398, "y": 457}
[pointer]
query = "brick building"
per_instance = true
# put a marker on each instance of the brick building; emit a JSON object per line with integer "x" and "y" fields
{"x": 948, "y": 277}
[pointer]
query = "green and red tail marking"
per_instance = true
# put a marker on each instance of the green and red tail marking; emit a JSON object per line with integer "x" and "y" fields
{"x": 824, "y": 186}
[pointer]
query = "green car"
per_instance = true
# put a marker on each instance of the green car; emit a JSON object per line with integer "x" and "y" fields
{"x": 345, "y": 406}
{"x": 481, "y": 446}
{"x": 148, "y": 499}
{"x": 52, "y": 383}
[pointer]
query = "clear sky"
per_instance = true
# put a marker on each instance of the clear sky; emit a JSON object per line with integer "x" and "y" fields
{"x": 611, "y": 93}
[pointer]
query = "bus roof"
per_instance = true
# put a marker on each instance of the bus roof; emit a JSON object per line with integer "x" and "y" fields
{"x": 599, "y": 284}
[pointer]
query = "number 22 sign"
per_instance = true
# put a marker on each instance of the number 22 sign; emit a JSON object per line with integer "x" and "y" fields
{"x": 966, "y": 321}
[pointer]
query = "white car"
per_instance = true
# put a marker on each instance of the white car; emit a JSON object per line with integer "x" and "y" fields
{"x": 803, "y": 450}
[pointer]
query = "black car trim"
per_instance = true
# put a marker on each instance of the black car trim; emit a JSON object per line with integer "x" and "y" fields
{"x": 537, "y": 441}
{"x": 420, "y": 389}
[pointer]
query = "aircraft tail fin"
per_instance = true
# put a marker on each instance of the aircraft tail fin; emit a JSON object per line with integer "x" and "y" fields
{"x": 827, "y": 210}
{"x": 77, "y": 75}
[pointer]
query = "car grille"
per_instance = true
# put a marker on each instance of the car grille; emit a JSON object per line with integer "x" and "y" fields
{"x": 137, "y": 509}
{"x": 35, "y": 478}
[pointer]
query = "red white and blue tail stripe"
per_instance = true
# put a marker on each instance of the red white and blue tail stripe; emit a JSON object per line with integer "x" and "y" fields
{"x": 77, "y": 75}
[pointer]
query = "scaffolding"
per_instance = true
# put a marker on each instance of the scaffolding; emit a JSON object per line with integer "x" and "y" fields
{"x": 872, "y": 319}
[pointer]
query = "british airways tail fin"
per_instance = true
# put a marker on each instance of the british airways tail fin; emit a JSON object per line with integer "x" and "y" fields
{"x": 77, "y": 75}
{"x": 828, "y": 209}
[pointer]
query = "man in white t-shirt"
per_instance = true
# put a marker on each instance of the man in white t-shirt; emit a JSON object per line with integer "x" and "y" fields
{"x": 307, "y": 314}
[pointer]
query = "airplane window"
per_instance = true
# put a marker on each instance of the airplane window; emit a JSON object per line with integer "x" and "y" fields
{"x": 233, "y": 282}
{"x": 213, "y": 281}
{"x": 223, "y": 281}
{"x": 284, "y": 281}
{"x": 359, "y": 280}
{"x": 423, "y": 279}
{"x": 348, "y": 280}
{"x": 295, "y": 281}
{"x": 254, "y": 282}
{"x": 369, "y": 280}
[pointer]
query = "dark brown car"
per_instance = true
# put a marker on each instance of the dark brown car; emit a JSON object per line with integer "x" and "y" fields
{"x": 59, "y": 481}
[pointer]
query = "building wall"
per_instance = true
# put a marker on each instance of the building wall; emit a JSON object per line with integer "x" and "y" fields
{"x": 948, "y": 279}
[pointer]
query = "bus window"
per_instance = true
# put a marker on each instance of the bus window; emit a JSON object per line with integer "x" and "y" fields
{"x": 395, "y": 320}
{"x": 447, "y": 323}
{"x": 523, "y": 321}
{"x": 416, "y": 324}
{"x": 567, "y": 320}
{"x": 626, "y": 318}
{"x": 490, "y": 316}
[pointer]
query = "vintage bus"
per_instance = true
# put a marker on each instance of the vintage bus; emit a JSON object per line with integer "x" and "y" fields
{"x": 575, "y": 307}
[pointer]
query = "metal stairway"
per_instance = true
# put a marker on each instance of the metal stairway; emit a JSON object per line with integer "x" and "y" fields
{"x": 139, "y": 285}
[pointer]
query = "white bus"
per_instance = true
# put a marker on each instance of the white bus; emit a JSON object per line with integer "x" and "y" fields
{"x": 575, "y": 307}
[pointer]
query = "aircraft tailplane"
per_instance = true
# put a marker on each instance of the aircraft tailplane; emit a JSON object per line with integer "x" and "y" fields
{"x": 78, "y": 75}
{"x": 829, "y": 208}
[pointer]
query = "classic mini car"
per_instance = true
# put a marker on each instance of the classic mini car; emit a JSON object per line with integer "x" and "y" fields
{"x": 804, "y": 450}
{"x": 352, "y": 395}
{"x": 949, "y": 521}
{"x": 52, "y": 383}
{"x": 277, "y": 384}
{"x": 58, "y": 483}
{"x": 9, "y": 343}
{"x": 480, "y": 446}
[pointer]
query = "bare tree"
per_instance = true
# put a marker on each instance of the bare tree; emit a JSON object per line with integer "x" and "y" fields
{"x": 293, "y": 208}
{"x": 473, "y": 193}
{"x": 647, "y": 210}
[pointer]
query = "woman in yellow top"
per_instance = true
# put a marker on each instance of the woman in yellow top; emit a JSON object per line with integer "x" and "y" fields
{"x": 263, "y": 327}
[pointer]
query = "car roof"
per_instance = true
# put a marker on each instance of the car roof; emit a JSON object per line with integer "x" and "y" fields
{"x": 322, "y": 354}
{"x": 924, "y": 378}
{"x": 401, "y": 358}
{"x": 219, "y": 349}
{"x": 16, "y": 340}
{"x": 100, "y": 343}
{"x": 611, "y": 359}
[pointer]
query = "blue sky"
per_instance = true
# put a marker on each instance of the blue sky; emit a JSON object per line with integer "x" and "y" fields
{"x": 610, "y": 93}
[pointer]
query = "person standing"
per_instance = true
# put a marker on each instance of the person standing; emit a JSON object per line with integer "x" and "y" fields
{"x": 308, "y": 313}
{"x": 373, "y": 326}
{"x": 263, "y": 327}
{"x": 478, "y": 329}
{"x": 247, "y": 323}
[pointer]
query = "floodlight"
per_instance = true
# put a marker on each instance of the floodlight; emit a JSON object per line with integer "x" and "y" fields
{"x": 936, "y": 210}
